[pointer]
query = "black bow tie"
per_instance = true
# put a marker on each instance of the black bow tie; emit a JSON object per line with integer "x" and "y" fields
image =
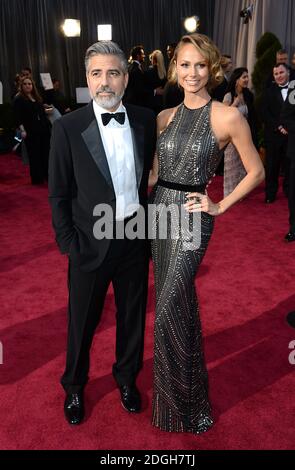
{"x": 106, "y": 117}
{"x": 284, "y": 87}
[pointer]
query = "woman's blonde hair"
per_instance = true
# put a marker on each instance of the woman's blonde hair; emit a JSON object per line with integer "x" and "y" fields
{"x": 206, "y": 47}
{"x": 158, "y": 59}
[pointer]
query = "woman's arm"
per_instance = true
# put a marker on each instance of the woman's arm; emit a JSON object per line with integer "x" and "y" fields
{"x": 163, "y": 120}
{"x": 240, "y": 135}
{"x": 153, "y": 176}
{"x": 227, "y": 100}
{"x": 233, "y": 127}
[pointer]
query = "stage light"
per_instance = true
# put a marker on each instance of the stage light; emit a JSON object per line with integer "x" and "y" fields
{"x": 104, "y": 32}
{"x": 191, "y": 24}
{"x": 71, "y": 28}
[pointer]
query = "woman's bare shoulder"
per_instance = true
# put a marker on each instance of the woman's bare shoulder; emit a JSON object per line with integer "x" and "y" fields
{"x": 165, "y": 117}
{"x": 223, "y": 113}
{"x": 223, "y": 120}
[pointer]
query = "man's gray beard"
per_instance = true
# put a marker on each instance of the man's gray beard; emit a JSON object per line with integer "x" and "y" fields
{"x": 108, "y": 102}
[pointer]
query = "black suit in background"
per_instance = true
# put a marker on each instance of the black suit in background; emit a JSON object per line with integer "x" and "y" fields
{"x": 137, "y": 92}
{"x": 275, "y": 141}
{"x": 288, "y": 121}
{"x": 79, "y": 179}
{"x": 57, "y": 99}
{"x": 153, "y": 81}
{"x": 172, "y": 95}
{"x": 219, "y": 92}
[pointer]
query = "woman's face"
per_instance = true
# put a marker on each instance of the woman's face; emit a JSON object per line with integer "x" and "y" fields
{"x": 192, "y": 69}
{"x": 243, "y": 81}
{"x": 27, "y": 86}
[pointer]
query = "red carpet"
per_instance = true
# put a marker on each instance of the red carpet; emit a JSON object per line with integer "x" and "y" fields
{"x": 245, "y": 286}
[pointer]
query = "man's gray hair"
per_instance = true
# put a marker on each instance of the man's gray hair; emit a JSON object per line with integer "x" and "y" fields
{"x": 106, "y": 48}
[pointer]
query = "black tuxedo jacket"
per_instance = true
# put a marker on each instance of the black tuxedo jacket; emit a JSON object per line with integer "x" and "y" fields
{"x": 288, "y": 121}
{"x": 219, "y": 92}
{"x": 137, "y": 92}
{"x": 272, "y": 103}
{"x": 79, "y": 179}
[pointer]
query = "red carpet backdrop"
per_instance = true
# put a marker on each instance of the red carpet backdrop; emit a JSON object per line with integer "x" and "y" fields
{"x": 245, "y": 286}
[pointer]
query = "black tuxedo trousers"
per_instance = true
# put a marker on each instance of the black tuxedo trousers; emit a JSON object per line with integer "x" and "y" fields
{"x": 126, "y": 267}
{"x": 288, "y": 119}
{"x": 276, "y": 160}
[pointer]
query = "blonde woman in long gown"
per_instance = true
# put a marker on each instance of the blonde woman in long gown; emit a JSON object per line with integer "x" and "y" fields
{"x": 190, "y": 143}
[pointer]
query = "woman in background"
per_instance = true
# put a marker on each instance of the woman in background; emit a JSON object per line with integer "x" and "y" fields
{"x": 31, "y": 118}
{"x": 156, "y": 79}
{"x": 239, "y": 96}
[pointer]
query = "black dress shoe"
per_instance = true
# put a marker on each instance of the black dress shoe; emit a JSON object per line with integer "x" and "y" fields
{"x": 74, "y": 408}
{"x": 130, "y": 398}
{"x": 291, "y": 319}
{"x": 290, "y": 237}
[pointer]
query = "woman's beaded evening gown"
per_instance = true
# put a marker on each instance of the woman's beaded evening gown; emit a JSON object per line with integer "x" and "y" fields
{"x": 188, "y": 154}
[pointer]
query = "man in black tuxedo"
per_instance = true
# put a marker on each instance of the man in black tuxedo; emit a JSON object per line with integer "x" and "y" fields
{"x": 288, "y": 121}
{"x": 99, "y": 163}
{"x": 276, "y": 138}
{"x": 282, "y": 57}
{"x": 137, "y": 91}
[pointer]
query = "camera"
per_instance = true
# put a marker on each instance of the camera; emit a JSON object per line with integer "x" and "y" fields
{"x": 247, "y": 13}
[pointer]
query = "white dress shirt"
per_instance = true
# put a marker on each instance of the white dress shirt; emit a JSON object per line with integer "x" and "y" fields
{"x": 118, "y": 146}
{"x": 284, "y": 91}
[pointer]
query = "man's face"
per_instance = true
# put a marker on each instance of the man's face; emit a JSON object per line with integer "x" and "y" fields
{"x": 106, "y": 80}
{"x": 293, "y": 60}
{"x": 282, "y": 58}
{"x": 229, "y": 66}
{"x": 281, "y": 75}
{"x": 25, "y": 73}
{"x": 141, "y": 56}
